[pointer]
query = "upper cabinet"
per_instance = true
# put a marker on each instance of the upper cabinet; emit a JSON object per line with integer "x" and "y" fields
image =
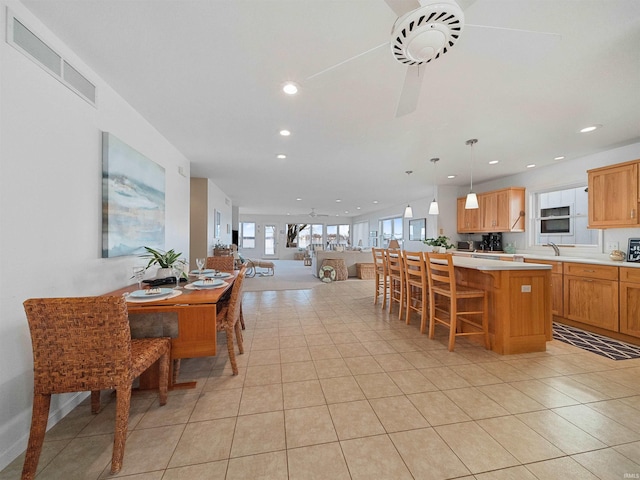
{"x": 614, "y": 197}
{"x": 500, "y": 211}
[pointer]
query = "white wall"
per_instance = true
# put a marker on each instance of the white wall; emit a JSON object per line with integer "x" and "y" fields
{"x": 50, "y": 207}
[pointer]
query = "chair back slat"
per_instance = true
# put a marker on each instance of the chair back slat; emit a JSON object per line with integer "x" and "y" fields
{"x": 440, "y": 271}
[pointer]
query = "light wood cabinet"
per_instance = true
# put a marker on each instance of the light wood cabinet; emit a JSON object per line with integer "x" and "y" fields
{"x": 468, "y": 220}
{"x": 591, "y": 294}
{"x": 630, "y": 301}
{"x": 614, "y": 196}
{"x": 557, "y": 285}
{"x": 500, "y": 211}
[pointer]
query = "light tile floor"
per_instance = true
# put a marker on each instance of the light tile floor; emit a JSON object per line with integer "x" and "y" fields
{"x": 332, "y": 387}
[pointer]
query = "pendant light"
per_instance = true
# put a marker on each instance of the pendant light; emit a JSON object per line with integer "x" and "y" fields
{"x": 472, "y": 199}
{"x": 433, "y": 207}
{"x": 408, "y": 212}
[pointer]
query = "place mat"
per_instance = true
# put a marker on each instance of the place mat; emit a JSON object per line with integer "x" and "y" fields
{"x": 592, "y": 342}
{"x": 191, "y": 286}
{"x": 174, "y": 293}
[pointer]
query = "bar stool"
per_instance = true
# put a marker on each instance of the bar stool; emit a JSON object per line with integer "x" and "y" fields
{"x": 444, "y": 295}
{"x": 382, "y": 276}
{"x": 417, "y": 287}
{"x": 396, "y": 280}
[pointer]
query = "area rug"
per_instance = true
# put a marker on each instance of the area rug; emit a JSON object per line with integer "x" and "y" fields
{"x": 592, "y": 342}
{"x": 288, "y": 275}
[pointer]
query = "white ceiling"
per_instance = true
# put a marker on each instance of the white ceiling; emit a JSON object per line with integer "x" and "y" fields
{"x": 207, "y": 74}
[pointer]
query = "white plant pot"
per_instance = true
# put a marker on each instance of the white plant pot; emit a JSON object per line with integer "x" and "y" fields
{"x": 164, "y": 273}
{"x": 441, "y": 250}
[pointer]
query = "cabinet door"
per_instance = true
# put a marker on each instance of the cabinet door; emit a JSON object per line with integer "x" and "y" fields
{"x": 591, "y": 301}
{"x": 467, "y": 219}
{"x": 630, "y": 308}
{"x": 488, "y": 208}
{"x": 557, "y": 285}
{"x": 613, "y": 196}
{"x": 501, "y": 211}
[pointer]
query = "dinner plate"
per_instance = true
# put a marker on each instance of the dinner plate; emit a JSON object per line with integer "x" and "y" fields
{"x": 218, "y": 275}
{"x": 146, "y": 294}
{"x": 203, "y": 271}
{"x": 201, "y": 283}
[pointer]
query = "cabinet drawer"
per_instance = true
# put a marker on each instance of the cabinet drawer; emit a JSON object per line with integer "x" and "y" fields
{"x": 589, "y": 270}
{"x": 628, "y": 274}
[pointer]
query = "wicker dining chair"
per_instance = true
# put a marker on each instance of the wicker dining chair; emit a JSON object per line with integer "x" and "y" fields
{"x": 228, "y": 318}
{"x": 84, "y": 344}
{"x": 224, "y": 263}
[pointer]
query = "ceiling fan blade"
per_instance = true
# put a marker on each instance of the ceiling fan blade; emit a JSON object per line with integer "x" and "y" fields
{"x": 464, "y": 4}
{"x": 400, "y": 7}
{"x": 332, "y": 67}
{"x": 557, "y": 36}
{"x": 410, "y": 91}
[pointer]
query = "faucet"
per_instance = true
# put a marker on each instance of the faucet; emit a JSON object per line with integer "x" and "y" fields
{"x": 555, "y": 248}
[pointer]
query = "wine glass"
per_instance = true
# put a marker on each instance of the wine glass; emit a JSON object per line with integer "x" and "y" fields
{"x": 138, "y": 274}
{"x": 177, "y": 271}
{"x": 200, "y": 264}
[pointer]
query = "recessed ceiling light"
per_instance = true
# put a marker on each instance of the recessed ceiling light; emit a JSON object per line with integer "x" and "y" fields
{"x": 590, "y": 128}
{"x": 561, "y": 157}
{"x": 290, "y": 88}
{"x": 285, "y": 133}
{"x": 346, "y": 211}
{"x": 298, "y": 199}
{"x": 281, "y": 156}
{"x": 531, "y": 165}
{"x": 451, "y": 176}
{"x": 338, "y": 200}
{"x": 357, "y": 208}
{"x": 493, "y": 162}
{"x": 375, "y": 201}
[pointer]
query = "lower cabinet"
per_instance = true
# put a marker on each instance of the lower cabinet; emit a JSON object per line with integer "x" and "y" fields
{"x": 557, "y": 296}
{"x": 591, "y": 295}
{"x": 630, "y": 301}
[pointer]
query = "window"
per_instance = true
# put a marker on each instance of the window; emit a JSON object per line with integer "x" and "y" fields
{"x": 338, "y": 234}
{"x": 248, "y": 235}
{"x": 390, "y": 228}
{"x": 24, "y": 40}
{"x": 561, "y": 217}
{"x": 311, "y": 234}
{"x": 361, "y": 234}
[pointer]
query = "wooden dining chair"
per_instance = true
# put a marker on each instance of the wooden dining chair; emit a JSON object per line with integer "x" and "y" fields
{"x": 455, "y": 306}
{"x": 416, "y": 287}
{"x": 228, "y": 318}
{"x": 381, "y": 276}
{"x": 84, "y": 344}
{"x": 396, "y": 280}
{"x": 223, "y": 263}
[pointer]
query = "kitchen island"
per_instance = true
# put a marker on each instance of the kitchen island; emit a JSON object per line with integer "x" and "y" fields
{"x": 519, "y": 297}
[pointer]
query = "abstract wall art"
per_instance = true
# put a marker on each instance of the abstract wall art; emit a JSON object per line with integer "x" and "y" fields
{"x": 133, "y": 200}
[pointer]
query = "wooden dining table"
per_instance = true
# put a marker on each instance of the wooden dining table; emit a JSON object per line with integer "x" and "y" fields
{"x": 193, "y": 312}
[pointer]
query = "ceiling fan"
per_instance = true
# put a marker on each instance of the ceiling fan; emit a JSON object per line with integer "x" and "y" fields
{"x": 424, "y": 31}
{"x": 313, "y": 214}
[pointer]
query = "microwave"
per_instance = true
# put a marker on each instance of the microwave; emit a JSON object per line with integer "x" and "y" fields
{"x": 555, "y": 221}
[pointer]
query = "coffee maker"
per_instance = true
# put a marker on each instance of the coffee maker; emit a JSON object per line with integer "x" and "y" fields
{"x": 492, "y": 242}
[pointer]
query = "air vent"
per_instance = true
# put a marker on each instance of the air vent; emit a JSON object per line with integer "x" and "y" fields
{"x": 24, "y": 40}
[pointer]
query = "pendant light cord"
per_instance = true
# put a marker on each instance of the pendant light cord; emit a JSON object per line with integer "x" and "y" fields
{"x": 472, "y": 142}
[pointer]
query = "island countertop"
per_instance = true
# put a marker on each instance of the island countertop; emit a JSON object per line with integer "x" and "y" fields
{"x": 484, "y": 264}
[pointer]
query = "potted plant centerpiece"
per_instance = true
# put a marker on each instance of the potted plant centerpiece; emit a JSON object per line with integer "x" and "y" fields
{"x": 166, "y": 261}
{"x": 439, "y": 244}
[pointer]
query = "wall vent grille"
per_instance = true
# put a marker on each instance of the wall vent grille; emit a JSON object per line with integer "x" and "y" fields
{"x": 24, "y": 40}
